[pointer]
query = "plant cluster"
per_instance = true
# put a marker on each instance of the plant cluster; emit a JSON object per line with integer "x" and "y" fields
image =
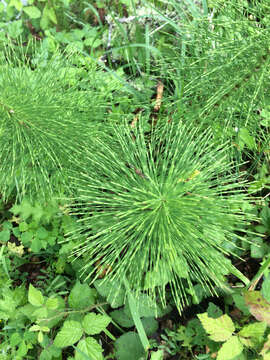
{"x": 134, "y": 179}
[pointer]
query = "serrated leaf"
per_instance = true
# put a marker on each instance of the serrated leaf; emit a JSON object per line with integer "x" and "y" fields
{"x": 128, "y": 344}
{"x": 81, "y": 296}
{"x": 258, "y": 306}
{"x": 90, "y": 348}
{"x": 35, "y": 296}
{"x": 253, "y": 330}
{"x": 219, "y": 329}
{"x": 230, "y": 349}
{"x": 32, "y": 11}
{"x": 95, "y": 323}
{"x": 52, "y": 303}
{"x": 70, "y": 333}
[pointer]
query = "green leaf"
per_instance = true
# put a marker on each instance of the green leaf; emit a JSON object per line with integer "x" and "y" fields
{"x": 70, "y": 333}
{"x": 122, "y": 318}
{"x": 150, "y": 325}
{"x": 23, "y": 226}
{"x": 88, "y": 347}
{"x": 219, "y": 329}
{"x": 157, "y": 355}
{"x": 52, "y": 303}
{"x": 81, "y": 296}
{"x": 42, "y": 233}
{"x": 230, "y": 349}
{"x": 52, "y": 15}
{"x": 258, "y": 306}
{"x": 240, "y": 303}
{"x": 213, "y": 311}
{"x": 35, "y": 296}
{"x": 95, "y": 323}
{"x": 15, "y": 29}
{"x": 4, "y": 235}
{"x": 36, "y": 244}
{"x": 253, "y": 330}
{"x": 246, "y": 139}
{"x": 128, "y": 344}
{"x": 266, "y": 288}
{"x": 32, "y": 11}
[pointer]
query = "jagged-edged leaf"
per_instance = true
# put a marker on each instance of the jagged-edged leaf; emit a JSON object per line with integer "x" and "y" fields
{"x": 230, "y": 349}
{"x": 81, "y": 296}
{"x": 69, "y": 334}
{"x": 219, "y": 329}
{"x": 253, "y": 330}
{"x": 95, "y": 323}
{"x": 88, "y": 348}
{"x": 35, "y": 296}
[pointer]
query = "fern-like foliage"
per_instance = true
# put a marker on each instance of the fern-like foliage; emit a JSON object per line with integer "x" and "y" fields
{"x": 158, "y": 209}
{"x": 44, "y": 119}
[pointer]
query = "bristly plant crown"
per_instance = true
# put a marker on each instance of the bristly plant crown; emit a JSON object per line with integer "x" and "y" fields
{"x": 158, "y": 209}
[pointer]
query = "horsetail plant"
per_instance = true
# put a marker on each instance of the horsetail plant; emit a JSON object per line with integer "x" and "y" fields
{"x": 159, "y": 209}
{"x": 43, "y": 120}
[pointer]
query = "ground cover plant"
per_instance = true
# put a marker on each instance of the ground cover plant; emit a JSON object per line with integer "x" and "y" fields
{"x": 134, "y": 180}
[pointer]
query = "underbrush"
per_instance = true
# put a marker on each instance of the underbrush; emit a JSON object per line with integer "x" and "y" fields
{"x": 134, "y": 180}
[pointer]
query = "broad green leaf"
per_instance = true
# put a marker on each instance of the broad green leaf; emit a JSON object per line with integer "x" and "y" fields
{"x": 214, "y": 311}
{"x": 32, "y": 11}
{"x": 246, "y": 139}
{"x": 157, "y": 355}
{"x": 219, "y": 329}
{"x": 52, "y": 15}
{"x": 52, "y": 303}
{"x": 253, "y": 330}
{"x": 36, "y": 244}
{"x": 70, "y": 333}
{"x": 128, "y": 344}
{"x": 88, "y": 348}
{"x": 81, "y": 296}
{"x": 17, "y": 4}
{"x": 35, "y": 296}
{"x": 122, "y": 318}
{"x": 150, "y": 325}
{"x": 240, "y": 303}
{"x": 15, "y": 339}
{"x": 266, "y": 288}
{"x": 95, "y": 323}
{"x": 258, "y": 306}
{"x": 230, "y": 349}
{"x": 4, "y": 235}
